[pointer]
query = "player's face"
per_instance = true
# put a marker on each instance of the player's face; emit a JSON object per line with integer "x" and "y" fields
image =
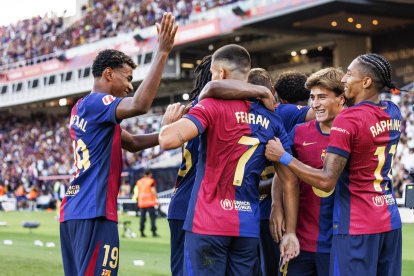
{"x": 325, "y": 104}
{"x": 121, "y": 81}
{"x": 352, "y": 81}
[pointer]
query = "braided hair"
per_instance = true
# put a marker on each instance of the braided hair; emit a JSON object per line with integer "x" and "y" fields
{"x": 203, "y": 76}
{"x": 379, "y": 69}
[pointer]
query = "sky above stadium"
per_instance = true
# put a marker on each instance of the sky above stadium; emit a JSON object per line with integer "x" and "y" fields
{"x": 16, "y": 10}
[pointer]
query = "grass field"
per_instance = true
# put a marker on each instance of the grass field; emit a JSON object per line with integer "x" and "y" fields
{"x": 24, "y": 258}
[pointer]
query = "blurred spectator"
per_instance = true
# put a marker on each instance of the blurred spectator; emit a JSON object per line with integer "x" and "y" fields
{"x": 40, "y": 36}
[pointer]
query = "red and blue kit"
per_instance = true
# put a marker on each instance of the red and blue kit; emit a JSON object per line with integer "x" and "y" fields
{"x": 314, "y": 225}
{"x": 225, "y": 198}
{"x": 96, "y": 136}
{"x": 367, "y": 135}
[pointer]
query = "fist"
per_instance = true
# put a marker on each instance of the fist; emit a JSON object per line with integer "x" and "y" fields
{"x": 274, "y": 150}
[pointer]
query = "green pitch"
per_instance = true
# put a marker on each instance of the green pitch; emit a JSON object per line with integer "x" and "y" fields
{"x": 24, "y": 258}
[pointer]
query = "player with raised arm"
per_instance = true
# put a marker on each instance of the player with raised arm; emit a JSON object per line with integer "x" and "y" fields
{"x": 310, "y": 141}
{"x": 88, "y": 214}
{"x": 226, "y": 89}
{"x": 363, "y": 141}
{"x": 222, "y": 221}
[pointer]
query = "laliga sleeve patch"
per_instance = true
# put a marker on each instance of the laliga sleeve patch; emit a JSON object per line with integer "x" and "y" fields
{"x": 108, "y": 99}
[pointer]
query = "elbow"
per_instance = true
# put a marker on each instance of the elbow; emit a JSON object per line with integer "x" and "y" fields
{"x": 327, "y": 185}
{"x": 165, "y": 142}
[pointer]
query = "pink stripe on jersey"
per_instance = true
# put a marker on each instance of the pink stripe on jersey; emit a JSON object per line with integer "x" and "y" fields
{"x": 114, "y": 175}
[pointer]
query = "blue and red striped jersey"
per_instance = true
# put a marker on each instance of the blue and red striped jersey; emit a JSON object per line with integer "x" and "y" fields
{"x": 367, "y": 135}
{"x": 314, "y": 224}
{"x": 185, "y": 179}
{"x": 225, "y": 198}
{"x": 96, "y": 136}
{"x": 291, "y": 115}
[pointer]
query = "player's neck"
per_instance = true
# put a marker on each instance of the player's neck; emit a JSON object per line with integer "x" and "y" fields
{"x": 368, "y": 96}
{"x": 98, "y": 87}
{"x": 325, "y": 126}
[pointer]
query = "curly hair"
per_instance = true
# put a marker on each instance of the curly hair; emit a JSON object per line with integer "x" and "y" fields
{"x": 290, "y": 86}
{"x": 110, "y": 58}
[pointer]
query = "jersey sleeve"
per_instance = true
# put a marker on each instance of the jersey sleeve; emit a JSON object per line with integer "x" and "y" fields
{"x": 291, "y": 137}
{"x": 203, "y": 113}
{"x": 292, "y": 115}
{"x": 281, "y": 134}
{"x": 344, "y": 129}
{"x": 103, "y": 107}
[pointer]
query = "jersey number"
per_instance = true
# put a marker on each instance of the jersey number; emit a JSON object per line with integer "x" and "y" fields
{"x": 188, "y": 163}
{"x": 380, "y": 152}
{"x": 239, "y": 174}
{"x": 81, "y": 162}
{"x": 114, "y": 256}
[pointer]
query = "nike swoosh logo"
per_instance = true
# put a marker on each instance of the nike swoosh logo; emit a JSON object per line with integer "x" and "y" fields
{"x": 308, "y": 144}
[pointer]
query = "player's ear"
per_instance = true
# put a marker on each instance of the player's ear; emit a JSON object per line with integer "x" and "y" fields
{"x": 366, "y": 82}
{"x": 223, "y": 74}
{"x": 108, "y": 73}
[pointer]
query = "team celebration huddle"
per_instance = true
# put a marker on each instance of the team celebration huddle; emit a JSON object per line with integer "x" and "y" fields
{"x": 284, "y": 177}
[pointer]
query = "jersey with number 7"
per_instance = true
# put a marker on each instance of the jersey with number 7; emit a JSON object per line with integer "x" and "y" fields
{"x": 234, "y": 133}
{"x": 367, "y": 135}
{"x": 96, "y": 136}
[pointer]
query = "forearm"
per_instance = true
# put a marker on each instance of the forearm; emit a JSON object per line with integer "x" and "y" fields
{"x": 232, "y": 89}
{"x": 277, "y": 193}
{"x": 318, "y": 178}
{"x": 147, "y": 91}
{"x": 291, "y": 205}
{"x": 141, "y": 102}
{"x": 141, "y": 141}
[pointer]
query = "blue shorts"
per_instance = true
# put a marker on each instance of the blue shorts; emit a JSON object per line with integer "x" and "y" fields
{"x": 308, "y": 264}
{"x": 373, "y": 254}
{"x": 269, "y": 250}
{"x": 219, "y": 255}
{"x": 177, "y": 246}
{"x": 90, "y": 247}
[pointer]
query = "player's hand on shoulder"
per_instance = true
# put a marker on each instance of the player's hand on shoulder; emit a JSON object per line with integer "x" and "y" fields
{"x": 173, "y": 113}
{"x": 268, "y": 100}
{"x": 274, "y": 150}
{"x": 289, "y": 247}
{"x": 166, "y": 32}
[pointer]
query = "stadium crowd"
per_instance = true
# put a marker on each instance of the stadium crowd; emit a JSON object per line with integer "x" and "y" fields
{"x": 40, "y": 36}
{"x": 31, "y": 148}
{"x": 38, "y": 146}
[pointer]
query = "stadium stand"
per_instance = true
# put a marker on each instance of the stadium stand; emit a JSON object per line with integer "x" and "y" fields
{"x": 41, "y": 38}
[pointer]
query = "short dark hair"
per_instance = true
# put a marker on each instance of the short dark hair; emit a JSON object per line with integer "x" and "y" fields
{"x": 290, "y": 86}
{"x": 110, "y": 58}
{"x": 235, "y": 55}
{"x": 378, "y": 68}
{"x": 203, "y": 76}
{"x": 328, "y": 78}
{"x": 260, "y": 76}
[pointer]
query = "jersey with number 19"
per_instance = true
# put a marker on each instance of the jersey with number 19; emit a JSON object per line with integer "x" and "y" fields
{"x": 367, "y": 135}
{"x": 225, "y": 198}
{"x": 96, "y": 136}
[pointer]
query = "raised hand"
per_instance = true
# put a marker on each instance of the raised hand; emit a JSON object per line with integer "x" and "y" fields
{"x": 166, "y": 32}
{"x": 173, "y": 113}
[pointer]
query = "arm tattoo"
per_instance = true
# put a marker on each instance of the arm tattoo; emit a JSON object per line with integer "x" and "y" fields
{"x": 334, "y": 165}
{"x": 180, "y": 137}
